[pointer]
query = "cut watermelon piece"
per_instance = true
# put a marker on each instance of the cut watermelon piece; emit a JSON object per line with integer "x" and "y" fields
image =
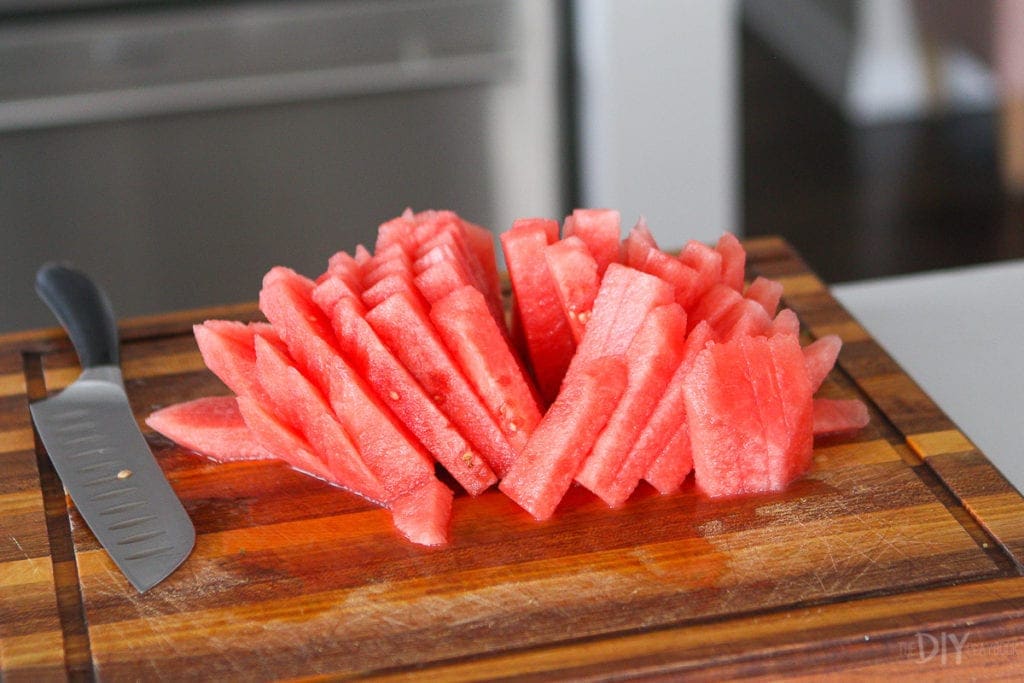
{"x": 574, "y": 272}
{"x": 749, "y": 411}
{"x": 398, "y": 230}
{"x": 734, "y": 261}
{"x": 766, "y": 292}
{"x": 643, "y": 254}
{"x": 404, "y": 326}
{"x": 283, "y": 441}
{"x": 439, "y": 279}
{"x": 708, "y": 265}
{"x": 212, "y": 426}
{"x": 839, "y": 416}
{"x": 228, "y": 349}
{"x": 715, "y": 307}
{"x": 394, "y": 385}
{"x": 820, "y": 357}
{"x": 344, "y": 266}
{"x": 670, "y": 468}
{"x": 625, "y": 298}
{"x": 545, "y": 469}
{"x": 308, "y": 412}
{"x": 745, "y": 317}
{"x": 652, "y": 358}
{"x": 653, "y": 444}
{"x": 396, "y": 459}
{"x": 384, "y": 263}
{"x": 483, "y": 353}
{"x": 330, "y": 290}
{"x": 422, "y": 515}
{"x": 786, "y": 322}
{"x": 393, "y": 283}
{"x": 600, "y": 230}
{"x": 548, "y": 337}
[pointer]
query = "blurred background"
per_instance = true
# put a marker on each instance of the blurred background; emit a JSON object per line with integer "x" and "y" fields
{"x": 177, "y": 149}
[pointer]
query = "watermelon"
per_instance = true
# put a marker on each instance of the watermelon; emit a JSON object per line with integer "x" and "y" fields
{"x": 839, "y": 416}
{"x": 283, "y": 441}
{"x": 403, "y": 395}
{"x": 545, "y": 469}
{"x": 484, "y": 355}
{"x": 600, "y": 230}
{"x": 734, "y": 261}
{"x": 421, "y": 514}
{"x": 653, "y": 356}
{"x": 642, "y": 253}
{"x": 211, "y": 425}
{"x": 668, "y": 463}
{"x": 625, "y": 298}
{"x": 650, "y": 366}
{"x": 395, "y": 458}
{"x": 307, "y": 412}
{"x": 548, "y": 338}
{"x": 819, "y": 358}
{"x": 766, "y": 292}
{"x": 707, "y": 263}
{"x": 404, "y": 326}
{"x": 575, "y": 274}
{"x": 750, "y": 415}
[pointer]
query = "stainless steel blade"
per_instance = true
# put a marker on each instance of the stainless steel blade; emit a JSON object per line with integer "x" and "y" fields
{"x": 117, "y": 485}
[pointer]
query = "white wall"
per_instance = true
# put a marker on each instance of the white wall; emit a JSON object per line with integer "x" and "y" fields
{"x": 658, "y": 113}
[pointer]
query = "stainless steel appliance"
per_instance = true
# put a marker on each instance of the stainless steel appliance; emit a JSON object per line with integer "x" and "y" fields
{"x": 179, "y": 149}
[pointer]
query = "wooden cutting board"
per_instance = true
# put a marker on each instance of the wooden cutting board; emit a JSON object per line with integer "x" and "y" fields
{"x": 901, "y": 552}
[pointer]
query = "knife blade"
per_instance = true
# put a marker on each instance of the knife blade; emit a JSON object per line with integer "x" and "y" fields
{"x": 96, "y": 447}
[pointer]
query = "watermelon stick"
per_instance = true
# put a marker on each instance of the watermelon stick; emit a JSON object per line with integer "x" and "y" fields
{"x": 406, "y": 398}
{"x": 545, "y": 469}
{"x": 652, "y": 359}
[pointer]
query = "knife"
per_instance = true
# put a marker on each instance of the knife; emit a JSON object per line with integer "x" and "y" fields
{"x": 94, "y": 442}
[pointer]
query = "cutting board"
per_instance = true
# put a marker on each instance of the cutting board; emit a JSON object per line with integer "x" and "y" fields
{"x": 900, "y": 552}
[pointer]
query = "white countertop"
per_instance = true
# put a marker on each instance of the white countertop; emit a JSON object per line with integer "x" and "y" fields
{"x": 960, "y": 335}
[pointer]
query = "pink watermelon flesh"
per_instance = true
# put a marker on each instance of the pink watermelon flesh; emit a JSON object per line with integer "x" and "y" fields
{"x": 394, "y": 260}
{"x": 715, "y": 307}
{"x": 212, "y": 426}
{"x": 652, "y": 446}
{"x": 406, "y": 398}
{"x": 545, "y": 469}
{"x": 683, "y": 279}
{"x": 393, "y": 283}
{"x": 398, "y": 230}
{"x": 820, "y": 357}
{"x": 344, "y": 266}
{"x": 766, "y": 292}
{"x": 734, "y": 261}
{"x": 652, "y": 358}
{"x": 396, "y": 459}
{"x": 707, "y": 263}
{"x": 332, "y": 289}
{"x": 574, "y": 271}
{"x": 488, "y": 362}
{"x": 600, "y": 230}
{"x": 747, "y": 318}
{"x": 283, "y": 441}
{"x": 545, "y": 328}
{"x": 228, "y": 349}
{"x": 309, "y": 413}
{"x": 405, "y": 327}
{"x": 839, "y": 416}
{"x": 625, "y": 298}
{"x": 671, "y": 467}
{"x": 750, "y": 416}
{"x": 422, "y": 515}
{"x": 786, "y": 322}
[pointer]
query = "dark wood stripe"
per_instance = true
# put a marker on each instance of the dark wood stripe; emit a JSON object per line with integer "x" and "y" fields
{"x": 78, "y": 655}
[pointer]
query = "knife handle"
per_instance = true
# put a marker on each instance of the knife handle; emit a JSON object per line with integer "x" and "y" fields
{"x": 84, "y": 311}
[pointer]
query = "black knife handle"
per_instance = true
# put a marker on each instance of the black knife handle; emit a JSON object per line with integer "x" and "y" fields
{"x": 84, "y": 310}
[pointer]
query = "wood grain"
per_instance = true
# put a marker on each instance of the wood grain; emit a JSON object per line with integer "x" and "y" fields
{"x": 902, "y": 533}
